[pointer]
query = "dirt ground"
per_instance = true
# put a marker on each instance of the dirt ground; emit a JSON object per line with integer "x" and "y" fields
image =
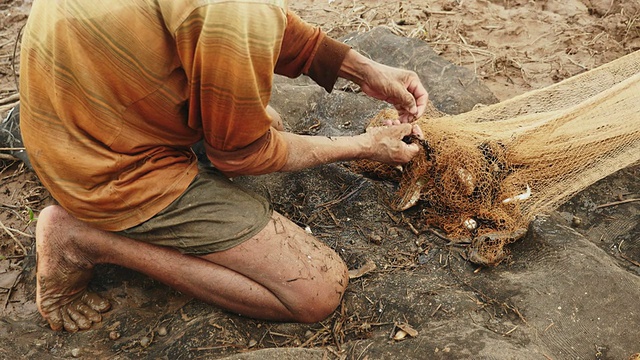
{"x": 420, "y": 283}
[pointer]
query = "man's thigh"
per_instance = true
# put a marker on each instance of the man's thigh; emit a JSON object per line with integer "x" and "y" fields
{"x": 213, "y": 214}
{"x": 288, "y": 261}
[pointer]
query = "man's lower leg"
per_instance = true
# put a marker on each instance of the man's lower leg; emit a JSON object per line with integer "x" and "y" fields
{"x": 68, "y": 249}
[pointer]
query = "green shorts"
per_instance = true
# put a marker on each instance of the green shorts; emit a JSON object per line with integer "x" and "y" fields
{"x": 213, "y": 214}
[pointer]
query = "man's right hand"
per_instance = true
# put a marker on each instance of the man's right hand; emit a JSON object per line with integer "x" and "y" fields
{"x": 386, "y": 145}
{"x": 383, "y": 144}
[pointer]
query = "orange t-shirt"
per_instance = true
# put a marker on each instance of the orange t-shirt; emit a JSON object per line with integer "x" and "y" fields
{"x": 114, "y": 93}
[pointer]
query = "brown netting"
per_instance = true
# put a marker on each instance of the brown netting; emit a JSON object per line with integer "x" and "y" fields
{"x": 483, "y": 175}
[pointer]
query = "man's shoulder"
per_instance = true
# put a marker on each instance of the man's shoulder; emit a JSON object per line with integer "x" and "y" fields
{"x": 176, "y": 12}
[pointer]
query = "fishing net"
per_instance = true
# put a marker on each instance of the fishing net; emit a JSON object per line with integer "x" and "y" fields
{"x": 483, "y": 175}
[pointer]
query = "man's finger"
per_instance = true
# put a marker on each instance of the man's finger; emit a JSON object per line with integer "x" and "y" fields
{"x": 417, "y": 131}
{"x": 404, "y": 130}
{"x": 412, "y": 150}
{"x": 420, "y": 94}
{"x": 407, "y": 104}
{"x": 406, "y": 117}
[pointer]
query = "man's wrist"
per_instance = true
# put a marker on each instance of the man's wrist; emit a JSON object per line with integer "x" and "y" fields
{"x": 365, "y": 145}
{"x": 355, "y": 67}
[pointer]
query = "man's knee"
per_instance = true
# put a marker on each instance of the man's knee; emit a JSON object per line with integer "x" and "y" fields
{"x": 53, "y": 216}
{"x": 316, "y": 303}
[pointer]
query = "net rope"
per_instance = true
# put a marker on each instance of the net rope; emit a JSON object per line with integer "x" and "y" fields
{"x": 482, "y": 176}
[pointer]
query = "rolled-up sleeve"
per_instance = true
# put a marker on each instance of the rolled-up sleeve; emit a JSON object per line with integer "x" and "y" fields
{"x": 229, "y": 51}
{"x": 257, "y": 158}
{"x": 307, "y": 50}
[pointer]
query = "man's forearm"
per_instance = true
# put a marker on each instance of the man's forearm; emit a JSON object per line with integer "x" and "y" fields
{"x": 355, "y": 67}
{"x": 383, "y": 144}
{"x": 401, "y": 88}
{"x": 309, "y": 151}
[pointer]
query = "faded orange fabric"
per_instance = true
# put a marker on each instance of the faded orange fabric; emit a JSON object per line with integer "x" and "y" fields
{"x": 114, "y": 93}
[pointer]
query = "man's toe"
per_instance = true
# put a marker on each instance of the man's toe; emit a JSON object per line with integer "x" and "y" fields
{"x": 96, "y": 302}
{"x": 69, "y": 324}
{"x": 89, "y": 313}
{"x": 55, "y": 320}
{"x": 80, "y": 320}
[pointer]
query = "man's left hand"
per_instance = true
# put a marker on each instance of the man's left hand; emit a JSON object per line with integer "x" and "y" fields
{"x": 401, "y": 88}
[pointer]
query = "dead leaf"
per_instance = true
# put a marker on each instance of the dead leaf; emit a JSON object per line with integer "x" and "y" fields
{"x": 408, "y": 329}
{"x": 368, "y": 267}
{"x": 7, "y": 280}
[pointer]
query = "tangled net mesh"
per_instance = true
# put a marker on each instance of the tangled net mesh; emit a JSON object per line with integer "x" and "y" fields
{"x": 482, "y": 176}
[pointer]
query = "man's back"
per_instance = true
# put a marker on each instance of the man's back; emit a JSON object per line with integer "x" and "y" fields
{"x": 114, "y": 91}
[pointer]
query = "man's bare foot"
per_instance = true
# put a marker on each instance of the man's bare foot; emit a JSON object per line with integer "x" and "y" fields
{"x": 63, "y": 272}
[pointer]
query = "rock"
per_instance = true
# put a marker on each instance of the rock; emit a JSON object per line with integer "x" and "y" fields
{"x": 10, "y": 136}
{"x": 280, "y": 354}
{"x": 145, "y": 341}
{"x": 307, "y": 109}
{"x": 452, "y": 89}
{"x": 162, "y": 331}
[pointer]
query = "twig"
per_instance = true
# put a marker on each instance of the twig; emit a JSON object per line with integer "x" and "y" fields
{"x": 10, "y": 99}
{"x": 439, "y": 12}
{"x": 577, "y": 64}
{"x": 630, "y": 259}
{"x": 235, "y": 346}
{"x": 21, "y": 233}
{"x": 510, "y": 331}
{"x": 4, "y": 108}
{"x": 13, "y": 149}
{"x": 15, "y": 282}
{"x": 16, "y": 257}
{"x": 441, "y": 236}
{"x": 616, "y": 203}
{"x": 312, "y": 338}
{"x": 436, "y": 310}
{"x": 411, "y": 227}
{"x": 7, "y": 157}
{"x": 548, "y": 327}
{"x": 624, "y": 256}
{"x": 343, "y": 197}
{"x": 489, "y": 300}
{"x": 24, "y": 251}
{"x": 13, "y": 59}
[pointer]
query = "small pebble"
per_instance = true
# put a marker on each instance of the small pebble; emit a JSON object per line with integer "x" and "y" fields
{"x": 400, "y": 335}
{"x": 145, "y": 341}
{"x": 308, "y": 334}
{"x": 114, "y": 335}
{"x": 576, "y": 221}
{"x": 252, "y": 343}
{"x": 75, "y": 352}
{"x": 376, "y": 239}
{"x": 162, "y": 331}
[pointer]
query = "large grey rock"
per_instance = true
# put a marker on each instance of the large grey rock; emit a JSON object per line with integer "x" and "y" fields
{"x": 453, "y": 89}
